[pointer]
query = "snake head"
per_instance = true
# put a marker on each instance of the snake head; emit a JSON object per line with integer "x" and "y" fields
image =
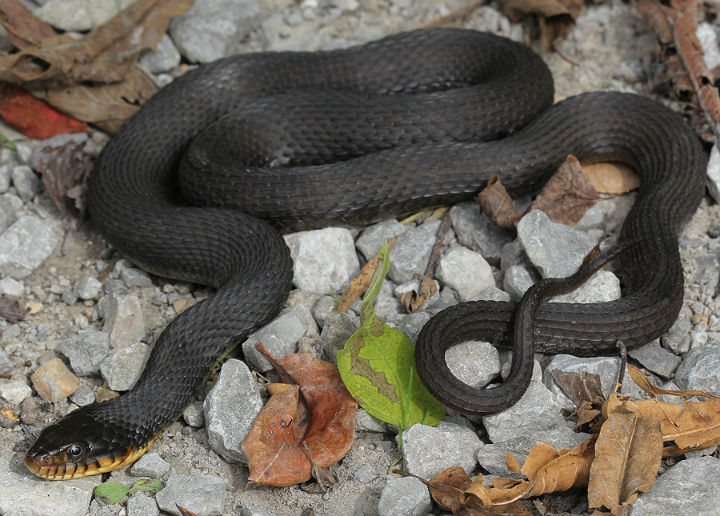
{"x": 76, "y": 446}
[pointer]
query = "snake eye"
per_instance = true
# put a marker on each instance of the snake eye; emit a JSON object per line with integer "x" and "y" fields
{"x": 75, "y": 450}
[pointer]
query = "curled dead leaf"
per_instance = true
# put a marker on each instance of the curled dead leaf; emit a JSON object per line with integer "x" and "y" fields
{"x": 497, "y": 204}
{"x": 628, "y": 452}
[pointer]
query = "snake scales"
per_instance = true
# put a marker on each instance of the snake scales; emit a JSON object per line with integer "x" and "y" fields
{"x": 404, "y": 121}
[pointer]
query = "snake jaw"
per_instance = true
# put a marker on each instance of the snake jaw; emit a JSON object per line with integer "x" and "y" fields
{"x": 78, "y": 446}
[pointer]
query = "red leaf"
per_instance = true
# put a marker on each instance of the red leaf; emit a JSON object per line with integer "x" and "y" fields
{"x": 33, "y": 117}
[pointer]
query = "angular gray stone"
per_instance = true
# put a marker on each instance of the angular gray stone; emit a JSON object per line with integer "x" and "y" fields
{"x": 6, "y": 364}
{"x": 279, "y": 337}
{"x": 465, "y": 271}
{"x": 493, "y": 458}
{"x": 493, "y": 294}
{"x": 603, "y": 286}
{"x": 322, "y": 309}
{"x": 122, "y": 368}
{"x": 411, "y": 252}
{"x": 412, "y": 324}
{"x": 365, "y": 474}
{"x": 5, "y": 176}
{"x": 429, "y": 450}
{"x": 212, "y": 29}
{"x": 405, "y": 496}
{"x": 677, "y": 339}
{"x": 473, "y": 362}
{"x": 476, "y": 231}
{"x": 123, "y": 320}
{"x": 656, "y": 358}
{"x": 517, "y": 279}
{"x": 79, "y": 15}
{"x": 230, "y": 409}
{"x": 26, "y": 182}
{"x": 202, "y": 494}
{"x": 133, "y": 277}
{"x": 150, "y": 465}
{"x": 88, "y": 288}
{"x": 700, "y": 369}
{"x": 689, "y": 487}
{"x": 535, "y": 412}
{"x": 86, "y": 351}
{"x": 366, "y": 423}
{"x": 513, "y": 254}
{"x": 142, "y": 505}
{"x": 556, "y": 250}
{"x": 84, "y": 395}
{"x": 193, "y": 414}
{"x": 23, "y": 494}
{"x": 324, "y": 260}
{"x": 162, "y": 58}
{"x": 10, "y": 287}
{"x": 14, "y": 392}
{"x": 25, "y": 245}
{"x": 372, "y": 238}
{"x": 336, "y": 332}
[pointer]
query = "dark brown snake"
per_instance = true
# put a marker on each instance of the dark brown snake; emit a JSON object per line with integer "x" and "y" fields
{"x": 403, "y": 120}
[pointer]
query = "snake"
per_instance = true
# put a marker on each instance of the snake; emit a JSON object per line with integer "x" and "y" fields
{"x": 199, "y": 182}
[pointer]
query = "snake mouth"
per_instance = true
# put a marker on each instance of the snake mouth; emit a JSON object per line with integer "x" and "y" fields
{"x": 61, "y": 468}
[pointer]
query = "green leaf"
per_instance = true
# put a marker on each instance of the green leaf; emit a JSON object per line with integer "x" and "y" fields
{"x": 111, "y": 492}
{"x": 377, "y": 365}
{"x": 7, "y": 142}
{"x": 152, "y": 486}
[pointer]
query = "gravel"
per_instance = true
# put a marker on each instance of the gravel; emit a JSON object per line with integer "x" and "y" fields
{"x": 83, "y": 296}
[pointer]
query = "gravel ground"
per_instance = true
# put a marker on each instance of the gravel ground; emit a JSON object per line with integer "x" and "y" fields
{"x": 94, "y": 315}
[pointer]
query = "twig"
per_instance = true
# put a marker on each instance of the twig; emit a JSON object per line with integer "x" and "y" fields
{"x": 623, "y": 361}
{"x": 566, "y": 57}
{"x": 457, "y": 13}
{"x": 444, "y": 228}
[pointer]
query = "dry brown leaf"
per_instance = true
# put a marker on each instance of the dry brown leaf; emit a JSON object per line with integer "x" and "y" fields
{"x": 579, "y": 386}
{"x": 550, "y": 470}
{"x": 512, "y": 463}
{"x": 676, "y": 28}
{"x": 22, "y": 27}
{"x": 414, "y": 301}
{"x": 567, "y": 194}
{"x": 611, "y": 178}
{"x": 106, "y": 105}
{"x": 104, "y": 55}
{"x": 65, "y": 170}
{"x": 555, "y": 17}
{"x": 628, "y": 452}
{"x": 449, "y": 490}
{"x": 497, "y": 204}
{"x": 293, "y": 434}
{"x": 184, "y": 511}
{"x": 359, "y": 283}
{"x": 501, "y": 496}
{"x": 11, "y": 310}
{"x": 645, "y": 384}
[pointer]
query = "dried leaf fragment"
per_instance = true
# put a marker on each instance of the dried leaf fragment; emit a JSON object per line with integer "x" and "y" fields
{"x": 555, "y": 16}
{"x": 359, "y": 283}
{"x": 497, "y": 204}
{"x": 22, "y": 27}
{"x": 611, "y": 178}
{"x": 11, "y": 310}
{"x": 567, "y": 195}
{"x": 550, "y": 470}
{"x": 645, "y": 384}
{"x": 414, "y": 301}
{"x": 628, "y": 453}
{"x": 579, "y": 386}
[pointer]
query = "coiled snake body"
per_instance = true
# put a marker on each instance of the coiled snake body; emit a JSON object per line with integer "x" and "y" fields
{"x": 404, "y": 120}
